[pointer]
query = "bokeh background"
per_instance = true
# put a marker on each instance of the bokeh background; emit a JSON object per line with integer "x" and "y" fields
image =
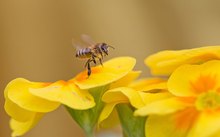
{"x": 35, "y": 40}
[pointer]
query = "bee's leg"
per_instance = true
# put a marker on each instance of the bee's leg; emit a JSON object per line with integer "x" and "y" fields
{"x": 93, "y": 58}
{"x": 106, "y": 53}
{"x": 100, "y": 60}
{"x": 100, "y": 52}
{"x": 89, "y": 69}
{"x": 101, "y": 55}
{"x": 87, "y": 65}
{"x": 89, "y": 60}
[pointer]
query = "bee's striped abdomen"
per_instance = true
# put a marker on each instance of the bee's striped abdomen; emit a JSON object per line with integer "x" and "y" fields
{"x": 84, "y": 53}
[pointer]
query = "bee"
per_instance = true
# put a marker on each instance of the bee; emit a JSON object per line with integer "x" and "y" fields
{"x": 94, "y": 52}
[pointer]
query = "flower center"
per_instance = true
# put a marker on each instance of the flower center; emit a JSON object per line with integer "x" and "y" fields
{"x": 208, "y": 101}
{"x": 204, "y": 83}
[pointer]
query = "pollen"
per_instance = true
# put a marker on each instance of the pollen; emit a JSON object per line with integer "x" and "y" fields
{"x": 83, "y": 75}
{"x": 96, "y": 70}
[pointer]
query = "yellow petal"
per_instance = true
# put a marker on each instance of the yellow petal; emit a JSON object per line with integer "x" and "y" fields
{"x": 20, "y": 128}
{"x": 191, "y": 80}
{"x": 155, "y": 88}
{"x": 122, "y": 94}
{"x": 162, "y": 126}
{"x": 124, "y": 81}
{"x": 111, "y": 71}
{"x": 111, "y": 121}
{"x": 161, "y": 107}
{"x": 208, "y": 124}
{"x": 106, "y": 111}
{"x": 149, "y": 84}
{"x": 216, "y": 134}
{"x": 17, "y": 113}
{"x": 18, "y": 92}
{"x": 152, "y": 97}
{"x": 165, "y": 62}
{"x": 114, "y": 96}
{"x": 66, "y": 93}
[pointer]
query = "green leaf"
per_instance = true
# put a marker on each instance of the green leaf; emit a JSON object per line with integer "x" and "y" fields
{"x": 87, "y": 119}
{"x": 133, "y": 126}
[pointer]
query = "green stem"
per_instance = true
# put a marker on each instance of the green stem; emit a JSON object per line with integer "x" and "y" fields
{"x": 87, "y": 119}
{"x": 89, "y": 132}
{"x": 132, "y": 126}
{"x": 124, "y": 134}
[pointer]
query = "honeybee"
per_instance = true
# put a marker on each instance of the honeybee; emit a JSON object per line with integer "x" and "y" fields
{"x": 94, "y": 52}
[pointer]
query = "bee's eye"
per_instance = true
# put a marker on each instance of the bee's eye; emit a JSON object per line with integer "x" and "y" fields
{"x": 104, "y": 47}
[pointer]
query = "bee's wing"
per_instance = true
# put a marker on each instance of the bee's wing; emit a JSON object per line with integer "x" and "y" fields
{"x": 76, "y": 45}
{"x": 88, "y": 40}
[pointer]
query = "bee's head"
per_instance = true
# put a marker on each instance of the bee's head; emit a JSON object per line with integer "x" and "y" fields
{"x": 104, "y": 47}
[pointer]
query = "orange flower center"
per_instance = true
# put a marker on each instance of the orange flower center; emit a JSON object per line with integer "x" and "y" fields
{"x": 205, "y": 86}
{"x": 208, "y": 101}
{"x": 204, "y": 83}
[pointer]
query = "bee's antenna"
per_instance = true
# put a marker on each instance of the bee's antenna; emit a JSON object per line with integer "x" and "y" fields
{"x": 111, "y": 47}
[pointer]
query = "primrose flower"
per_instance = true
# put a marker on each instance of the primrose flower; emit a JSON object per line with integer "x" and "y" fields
{"x": 111, "y": 71}
{"x": 132, "y": 97}
{"x": 114, "y": 73}
{"x": 26, "y": 109}
{"x": 26, "y": 102}
{"x": 165, "y": 62}
{"x": 193, "y": 111}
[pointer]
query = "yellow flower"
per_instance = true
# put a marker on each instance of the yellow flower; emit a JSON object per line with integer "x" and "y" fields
{"x": 114, "y": 73}
{"x": 19, "y": 128}
{"x": 124, "y": 81}
{"x": 110, "y": 72}
{"x": 66, "y": 93}
{"x": 26, "y": 101}
{"x": 194, "y": 111}
{"x": 165, "y": 62}
{"x": 133, "y": 94}
{"x": 26, "y": 109}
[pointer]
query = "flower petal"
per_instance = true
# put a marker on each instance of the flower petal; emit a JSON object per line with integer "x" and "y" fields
{"x": 18, "y": 92}
{"x": 66, "y": 93}
{"x": 106, "y": 111}
{"x": 20, "y": 128}
{"x": 152, "y": 97}
{"x": 191, "y": 80}
{"x": 165, "y": 62}
{"x": 148, "y": 84}
{"x": 111, "y": 71}
{"x": 122, "y": 94}
{"x": 208, "y": 124}
{"x": 131, "y": 76}
{"x": 162, "y": 126}
{"x": 162, "y": 107}
{"x": 18, "y": 113}
{"x": 111, "y": 121}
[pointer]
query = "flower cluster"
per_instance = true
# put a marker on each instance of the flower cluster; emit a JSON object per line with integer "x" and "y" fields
{"x": 193, "y": 81}
{"x": 180, "y": 99}
{"x": 26, "y": 102}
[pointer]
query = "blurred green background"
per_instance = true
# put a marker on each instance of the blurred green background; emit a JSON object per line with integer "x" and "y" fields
{"x": 35, "y": 40}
